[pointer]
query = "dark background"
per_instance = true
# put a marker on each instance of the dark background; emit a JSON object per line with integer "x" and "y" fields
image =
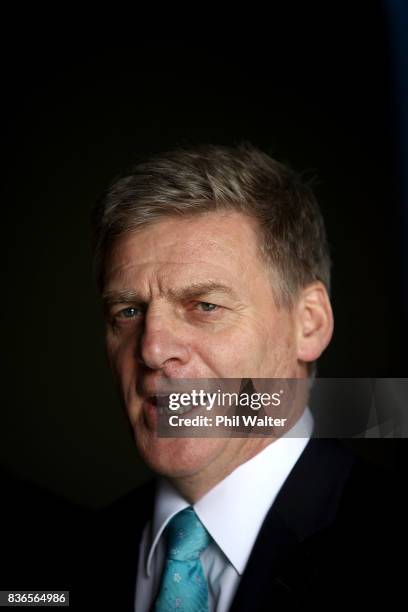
{"x": 313, "y": 88}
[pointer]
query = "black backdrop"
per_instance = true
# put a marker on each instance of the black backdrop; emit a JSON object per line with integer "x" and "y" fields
{"x": 312, "y": 89}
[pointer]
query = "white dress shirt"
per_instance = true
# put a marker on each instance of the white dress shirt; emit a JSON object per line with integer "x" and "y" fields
{"x": 232, "y": 512}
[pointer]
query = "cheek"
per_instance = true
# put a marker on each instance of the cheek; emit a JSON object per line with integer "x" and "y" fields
{"x": 234, "y": 353}
{"x": 281, "y": 351}
{"x": 121, "y": 357}
{"x": 270, "y": 347}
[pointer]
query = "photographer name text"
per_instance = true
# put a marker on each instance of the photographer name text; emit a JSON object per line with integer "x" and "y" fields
{"x": 224, "y": 421}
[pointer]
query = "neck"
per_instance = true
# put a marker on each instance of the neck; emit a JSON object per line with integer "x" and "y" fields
{"x": 194, "y": 486}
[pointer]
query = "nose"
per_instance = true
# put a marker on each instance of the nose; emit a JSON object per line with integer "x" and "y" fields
{"x": 162, "y": 343}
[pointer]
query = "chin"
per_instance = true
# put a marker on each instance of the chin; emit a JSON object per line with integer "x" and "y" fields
{"x": 177, "y": 457}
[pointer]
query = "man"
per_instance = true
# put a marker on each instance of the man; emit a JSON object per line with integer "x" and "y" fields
{"x": 213, "y": 263}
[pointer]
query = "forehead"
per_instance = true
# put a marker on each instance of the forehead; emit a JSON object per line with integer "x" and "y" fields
{"x": 226, "y": 243}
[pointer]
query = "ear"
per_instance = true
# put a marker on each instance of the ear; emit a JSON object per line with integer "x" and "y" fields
{"x": 314, "y": 322}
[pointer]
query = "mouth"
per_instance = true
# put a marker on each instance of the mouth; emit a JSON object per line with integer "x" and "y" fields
{"x": 150, "y": 412}
{"x": 155, "y": 405}
{"x": 157, "y": 400}
{"x": 162, "y": 404}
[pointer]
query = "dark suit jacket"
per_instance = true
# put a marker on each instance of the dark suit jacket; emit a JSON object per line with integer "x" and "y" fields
{"x": 329, "y": 540}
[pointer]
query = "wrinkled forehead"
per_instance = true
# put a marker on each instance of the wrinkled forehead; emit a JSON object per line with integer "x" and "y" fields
{"x": 227, "y": 243}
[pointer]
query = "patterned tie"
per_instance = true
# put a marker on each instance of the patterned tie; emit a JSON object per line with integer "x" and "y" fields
{"x": 184, "y": 587}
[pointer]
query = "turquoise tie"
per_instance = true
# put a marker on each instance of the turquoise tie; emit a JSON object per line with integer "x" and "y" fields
{"x": 184, "y": 587}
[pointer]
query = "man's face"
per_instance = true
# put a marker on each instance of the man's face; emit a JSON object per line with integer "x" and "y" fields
{"x": 191, "y": 298}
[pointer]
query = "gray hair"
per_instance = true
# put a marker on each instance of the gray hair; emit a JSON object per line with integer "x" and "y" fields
{"x": 186, "y": 182}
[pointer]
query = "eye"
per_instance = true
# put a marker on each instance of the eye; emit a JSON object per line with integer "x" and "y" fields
{"x": 207, "y": 306}
{"x": 129, "y": 313}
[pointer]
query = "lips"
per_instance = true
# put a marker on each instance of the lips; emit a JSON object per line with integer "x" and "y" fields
{"x": 149, "y": 411}
{"x": 152, "y": 406}
{"x": 162, "y": 402}
{"x": 155, "y": 404}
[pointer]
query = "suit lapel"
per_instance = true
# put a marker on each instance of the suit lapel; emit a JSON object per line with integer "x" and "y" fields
{"x": 279, "y": 567}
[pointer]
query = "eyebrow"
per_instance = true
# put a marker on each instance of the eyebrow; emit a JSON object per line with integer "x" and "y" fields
{"x": 124, "y": 296}
{"x": 195, "y": 290}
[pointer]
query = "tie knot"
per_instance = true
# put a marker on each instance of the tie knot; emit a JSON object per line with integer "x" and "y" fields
{"x": 186, "y": 536}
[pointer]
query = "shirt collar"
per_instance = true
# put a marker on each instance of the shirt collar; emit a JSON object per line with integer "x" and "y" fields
{"x": 239, "y": 503}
